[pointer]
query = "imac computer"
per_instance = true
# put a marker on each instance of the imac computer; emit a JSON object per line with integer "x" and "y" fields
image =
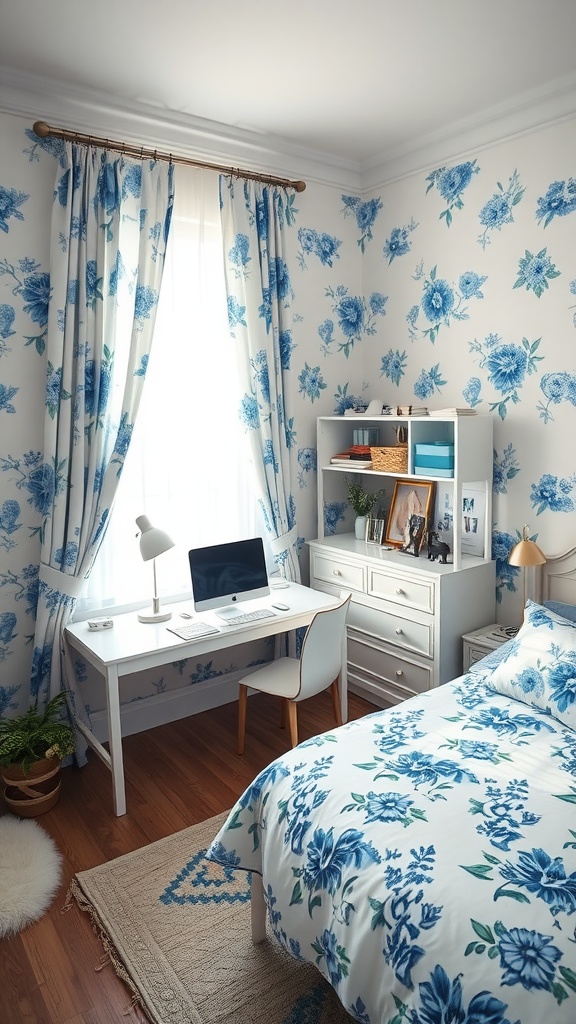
{"x": 224, "y": 575}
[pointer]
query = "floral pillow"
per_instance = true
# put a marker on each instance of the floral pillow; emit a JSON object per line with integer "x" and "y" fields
{"x": 540, "y": 667}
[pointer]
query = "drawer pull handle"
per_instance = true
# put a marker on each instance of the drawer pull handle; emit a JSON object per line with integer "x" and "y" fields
{"x": 337, "y": 572}
{"x": 399, "y": 631}
{"x": 399, "y": 590}
{"x": 399, "y": 672}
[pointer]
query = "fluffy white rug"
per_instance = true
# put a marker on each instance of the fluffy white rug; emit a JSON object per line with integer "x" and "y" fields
{"x": 30, "y": 868}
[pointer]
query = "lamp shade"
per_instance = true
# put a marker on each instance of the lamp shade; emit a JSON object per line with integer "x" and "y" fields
{"x": 153, "y": 542}
{"x": 526, "y": 552}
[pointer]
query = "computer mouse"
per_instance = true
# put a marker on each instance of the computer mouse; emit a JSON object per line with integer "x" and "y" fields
{"x": 185, "y": 615}
{"x": 282, "y": 607}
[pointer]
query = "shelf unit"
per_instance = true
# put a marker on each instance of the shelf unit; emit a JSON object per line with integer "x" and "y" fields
{"x": 407, "y": 615}
{"x": 472, "y": 437}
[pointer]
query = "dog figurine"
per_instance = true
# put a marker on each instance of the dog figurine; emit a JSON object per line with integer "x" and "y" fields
{"x": 437, "y": 549}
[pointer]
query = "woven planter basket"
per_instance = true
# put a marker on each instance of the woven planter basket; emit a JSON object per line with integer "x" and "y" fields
{"x": 390, "y": 460}
{"x": 35, "y": 793}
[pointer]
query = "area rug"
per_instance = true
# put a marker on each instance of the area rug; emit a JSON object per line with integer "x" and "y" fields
{"x": 30, "y": 870}
{"x": 177, "y": 930}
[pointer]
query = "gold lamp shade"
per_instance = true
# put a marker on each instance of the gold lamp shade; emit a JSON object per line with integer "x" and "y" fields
{"x": 526, "y": 554}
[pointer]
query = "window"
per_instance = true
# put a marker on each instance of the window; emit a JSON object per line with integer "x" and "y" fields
{"x": 188, "y": 467}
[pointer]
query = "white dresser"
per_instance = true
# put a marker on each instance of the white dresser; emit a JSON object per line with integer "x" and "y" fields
{"x": 407, "y": 615}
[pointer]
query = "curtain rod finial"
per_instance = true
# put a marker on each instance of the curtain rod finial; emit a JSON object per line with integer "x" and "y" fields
{"x": 41, "y": 129}
{"x": 299, "y": 186}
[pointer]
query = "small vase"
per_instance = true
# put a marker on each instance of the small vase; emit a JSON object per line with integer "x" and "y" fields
{"x": 360, "y": 527}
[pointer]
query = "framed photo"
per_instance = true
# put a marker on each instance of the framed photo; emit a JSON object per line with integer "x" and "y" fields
{"x": 472, "y": 512}
{"x": 410, "y": 498}
{"x": 473, "y": 509}
{"x": 375, "y": 530}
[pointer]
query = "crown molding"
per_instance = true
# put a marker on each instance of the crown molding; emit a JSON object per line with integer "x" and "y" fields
{"x": 529, "y": 112}
{"x": 93, "y": 112}
{"x": 141, "y": 124}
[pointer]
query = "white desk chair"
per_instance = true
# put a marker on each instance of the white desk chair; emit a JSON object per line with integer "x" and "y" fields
{"x": 294, "y": 679}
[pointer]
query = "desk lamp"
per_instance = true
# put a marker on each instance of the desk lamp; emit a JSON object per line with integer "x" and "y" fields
{"x": 526, "y": 554}
{"x": 153, "y": 542}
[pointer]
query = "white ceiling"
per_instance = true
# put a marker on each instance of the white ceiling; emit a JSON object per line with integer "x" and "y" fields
{"x": 355, "y": 81}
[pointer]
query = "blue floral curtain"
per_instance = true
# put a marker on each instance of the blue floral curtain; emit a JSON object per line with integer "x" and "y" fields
{"x": 110, "y": 224}
{"x": 254, "y": 220}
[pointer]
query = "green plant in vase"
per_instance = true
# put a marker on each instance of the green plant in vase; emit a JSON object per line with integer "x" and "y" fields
{"x": 363, "y": 503}
{"x": 32, "y": 747}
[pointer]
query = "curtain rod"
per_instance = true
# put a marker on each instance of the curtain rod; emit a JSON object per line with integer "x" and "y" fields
{"x": 43, "y": 131}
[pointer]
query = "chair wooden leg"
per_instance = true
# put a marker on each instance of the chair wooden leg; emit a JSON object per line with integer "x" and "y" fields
{"x": 293, "y": 721}
{"x": 242, "y": 702}
{"x": 336, "y": 702}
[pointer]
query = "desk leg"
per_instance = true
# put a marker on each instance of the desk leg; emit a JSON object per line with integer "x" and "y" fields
{"x": 115, "y": 740}
{"x": 343, "y": 679}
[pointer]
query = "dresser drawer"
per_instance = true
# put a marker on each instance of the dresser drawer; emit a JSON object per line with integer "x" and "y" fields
{"x": 389, "y": 625}
{"x": 338, "y": 572}
{"x": 380, "y": 692}
{"x": 408, "y": 676}
{"x": 401, "y": 590}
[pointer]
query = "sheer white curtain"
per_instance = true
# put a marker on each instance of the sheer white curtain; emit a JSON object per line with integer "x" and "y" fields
{"x": 187, "y": 468}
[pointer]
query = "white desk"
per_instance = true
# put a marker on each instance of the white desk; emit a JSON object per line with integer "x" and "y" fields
{"x": 132, "y": 646}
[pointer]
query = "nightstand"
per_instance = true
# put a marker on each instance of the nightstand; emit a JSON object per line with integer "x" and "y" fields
{"x": 480, "y": 642}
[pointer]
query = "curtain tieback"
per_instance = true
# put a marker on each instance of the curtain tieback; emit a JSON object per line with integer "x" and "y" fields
{"x": 71, "y": 586}
{"x": 283, "y": 543}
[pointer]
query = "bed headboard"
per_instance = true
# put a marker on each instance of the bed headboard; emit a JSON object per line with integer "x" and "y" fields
{"x": 558, "y": 578}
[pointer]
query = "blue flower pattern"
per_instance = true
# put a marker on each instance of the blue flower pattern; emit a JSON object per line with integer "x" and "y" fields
{"x": 507, "y": 366}
{"x": 498, "y": 210}
{"x": 451, "y": 183}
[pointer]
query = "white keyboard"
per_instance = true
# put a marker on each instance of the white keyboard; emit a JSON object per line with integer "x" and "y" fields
{"x": 237, "y": 620}
{"x": 193, "y": 631}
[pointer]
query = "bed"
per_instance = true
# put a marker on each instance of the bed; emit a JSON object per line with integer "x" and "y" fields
{"x": 424, "y": 857}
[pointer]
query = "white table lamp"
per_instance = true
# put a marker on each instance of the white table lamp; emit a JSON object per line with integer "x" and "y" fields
{"x": 153, "y": 542}
{"x": 526, "y": 554}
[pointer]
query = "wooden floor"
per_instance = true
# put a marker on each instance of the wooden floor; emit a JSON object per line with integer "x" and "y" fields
{"x": 176, "y": 775}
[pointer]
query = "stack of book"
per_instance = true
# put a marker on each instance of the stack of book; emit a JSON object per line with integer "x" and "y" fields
{"x": 411, "y": 410}
{"x": 452, "y": 411}
{"x": 357, "y": 456}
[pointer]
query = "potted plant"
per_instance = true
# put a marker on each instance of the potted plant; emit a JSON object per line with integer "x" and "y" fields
{"x": 32, "y": 747}
{"x": 363, "y": 502}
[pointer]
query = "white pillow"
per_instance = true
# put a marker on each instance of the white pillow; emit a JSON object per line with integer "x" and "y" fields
{"x": 540, "y": 668}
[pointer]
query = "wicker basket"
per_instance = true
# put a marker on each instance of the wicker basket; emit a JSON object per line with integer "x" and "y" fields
{"x": 28, "y": 795}
{"x": 390, "y": 460}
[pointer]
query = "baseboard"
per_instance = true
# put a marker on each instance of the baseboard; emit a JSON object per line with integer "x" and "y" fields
{"x": 140, "y": 715}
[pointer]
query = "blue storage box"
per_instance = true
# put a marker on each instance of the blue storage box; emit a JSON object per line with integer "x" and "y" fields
{"x": 437, "y": 455}
{"x": 420, "y": 470}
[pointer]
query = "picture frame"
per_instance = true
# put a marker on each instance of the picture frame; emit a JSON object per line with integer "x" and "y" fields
{"x": 410, "y": 497}
{"x": 375, "y": 530}
{"x": 472, "y": 513}
{"x": 473, "y": 510}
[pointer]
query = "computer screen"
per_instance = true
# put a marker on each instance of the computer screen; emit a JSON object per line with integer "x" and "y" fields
{"x": 226, "y": 574}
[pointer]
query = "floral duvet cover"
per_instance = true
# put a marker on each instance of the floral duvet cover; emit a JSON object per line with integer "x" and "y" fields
{"x": 424, "y": 858}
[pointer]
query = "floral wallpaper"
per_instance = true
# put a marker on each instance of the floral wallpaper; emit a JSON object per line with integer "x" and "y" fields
{"x": 479, "y": 263}
{"x": 452, "y": 286}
